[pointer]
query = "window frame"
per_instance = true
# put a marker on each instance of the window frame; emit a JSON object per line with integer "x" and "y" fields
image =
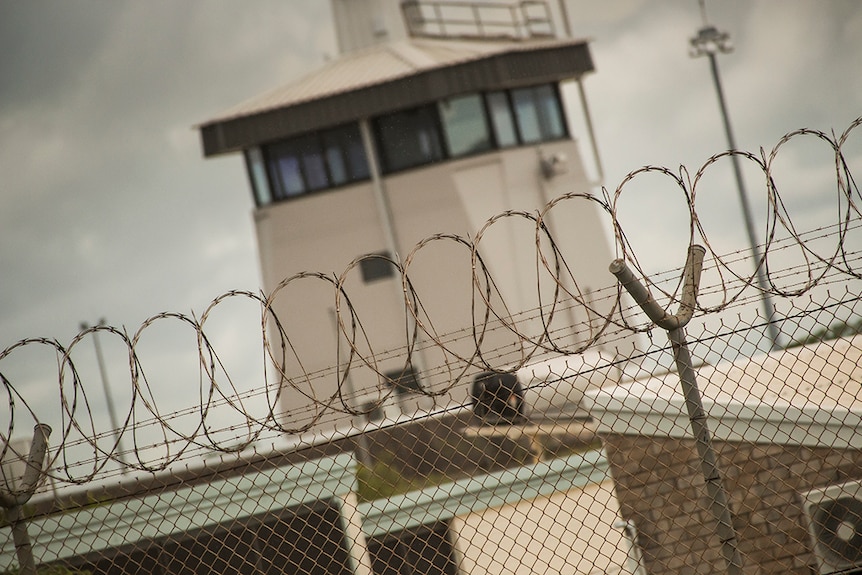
{"x": 382, "y": 148}
{"x": 273, "y": 159}
{"x": 346, "y": 139}
{"x": 406, "y": 550}
{"x": 543, "y": 124}
{"x": 300, "y": 149}
{"x": 507, "y": 100}
{"x": 258, "y": 176}
{"x": 445, "y": 132}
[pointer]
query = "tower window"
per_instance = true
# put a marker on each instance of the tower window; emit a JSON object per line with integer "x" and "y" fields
{"x": 527, "y": 114}
{"x": 501, "y": 118}
{"x": 345, "y": 155}
{"x": 550, "y": 114}
{"x": 257, "y": 172}
{"x": 538, "y": 113}
{"x": 313, "y": 165}
{"x": 335, "y": 160}
{"x": 469, "y": 124}
{"x": 409, "y": 138}
{"x": 308, "y": 163}
{"x": 464, "y": 125}
{"x": 452, "y": 128}
{"x": 285, "y": 171}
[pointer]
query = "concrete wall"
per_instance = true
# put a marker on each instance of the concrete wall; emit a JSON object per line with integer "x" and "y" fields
{"x": 325, "y": 231}
{"x": 555, "y": 516}
{"x": 570, "y": 532}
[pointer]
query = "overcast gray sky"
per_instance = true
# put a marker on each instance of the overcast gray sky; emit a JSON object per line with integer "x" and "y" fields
{"x": 107, "y": 208}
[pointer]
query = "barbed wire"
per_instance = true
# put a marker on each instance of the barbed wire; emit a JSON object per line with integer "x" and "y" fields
{"x": 606, "y": 321}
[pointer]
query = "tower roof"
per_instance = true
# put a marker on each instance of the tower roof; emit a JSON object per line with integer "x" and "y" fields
{"x": 388, "y": 77}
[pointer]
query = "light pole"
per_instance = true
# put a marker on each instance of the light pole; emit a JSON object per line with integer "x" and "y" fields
{"x": 708, "y": 42}
{"x": 112, "y": 414}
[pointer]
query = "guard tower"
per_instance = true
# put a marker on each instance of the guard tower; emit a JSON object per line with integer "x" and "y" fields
{"x": 435, "y": 116}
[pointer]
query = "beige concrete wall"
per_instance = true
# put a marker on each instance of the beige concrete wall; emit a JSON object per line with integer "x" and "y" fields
{"x": 569, "y": 532}
{"x": 325, "y": 231}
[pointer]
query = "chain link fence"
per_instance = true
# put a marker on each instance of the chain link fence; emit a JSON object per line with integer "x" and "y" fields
{"x": 708, "y": 449}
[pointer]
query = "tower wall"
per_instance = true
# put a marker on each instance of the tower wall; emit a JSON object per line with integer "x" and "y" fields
{"x": 326, "y": 231}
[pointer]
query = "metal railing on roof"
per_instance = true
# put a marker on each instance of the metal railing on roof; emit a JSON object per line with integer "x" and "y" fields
{"x": 523, "y": 20}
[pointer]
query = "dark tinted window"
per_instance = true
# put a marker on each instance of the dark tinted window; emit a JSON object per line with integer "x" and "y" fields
{"x": 464, "y": 125}
{"x": 285, "y": 171}
{"x": 310, "y": 542}
{"x": 335, "y": 160}
{"x": 551, "y": 115}
{"x": 313, "y": 164}
{"x": 257, "y": 172}
{"x": 451, "y": 128}
{"x": 469, "y": 124}
{"x": 538, "y": 113}
{"x": 501, "y": 119}
{"x": 527, "y": 115}
{"x": 345, "y": 154}
{"x": 423, "y": 551}
{"x": 309, "y": 163}
{"x": 408, "y": 138}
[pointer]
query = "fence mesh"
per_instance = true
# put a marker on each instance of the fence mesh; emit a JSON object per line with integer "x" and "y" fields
{"x": 559, "y": 439}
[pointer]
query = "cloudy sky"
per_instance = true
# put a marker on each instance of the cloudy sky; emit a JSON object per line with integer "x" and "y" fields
{"x": 108, "y": 210}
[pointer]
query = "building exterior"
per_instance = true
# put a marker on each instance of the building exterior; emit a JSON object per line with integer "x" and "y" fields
{"x": 427, "y": 123}
{"x": 436, "y": 116}
{"x": 557, "y": 516}
{"x": 785, "y": 427}
{"x": 270, "y": 513}
{"x": 254, "y": 516}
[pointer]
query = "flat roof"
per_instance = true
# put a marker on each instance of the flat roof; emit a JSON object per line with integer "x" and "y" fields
{"x": 480, "y": 492}
{"x": 109, "y": 524}
{"x": 389, "y": 77}
{"x": 808, "y": 395}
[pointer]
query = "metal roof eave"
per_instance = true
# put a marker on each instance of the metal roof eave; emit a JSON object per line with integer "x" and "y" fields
{"x": 807, "y": 395}
{"x": 477, "y": 493}
{"x": 497, "y": 71}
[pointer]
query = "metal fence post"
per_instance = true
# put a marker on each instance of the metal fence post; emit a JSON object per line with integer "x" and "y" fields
{"x": 674, "y": 325}
{"x": 13, "y": 498}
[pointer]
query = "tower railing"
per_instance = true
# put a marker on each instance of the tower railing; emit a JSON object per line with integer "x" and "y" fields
{"x": 523, "y": 20}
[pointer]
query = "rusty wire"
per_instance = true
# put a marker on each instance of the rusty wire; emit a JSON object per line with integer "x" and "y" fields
{"x": 730, "y": 287}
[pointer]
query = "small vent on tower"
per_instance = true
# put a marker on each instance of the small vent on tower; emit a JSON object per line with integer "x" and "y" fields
{"x": 404, "y": 380}
{"x": 376, "y": 267}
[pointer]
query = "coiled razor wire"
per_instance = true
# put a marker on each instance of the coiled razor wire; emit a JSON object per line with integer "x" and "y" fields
{"x": 489, "y": 312}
